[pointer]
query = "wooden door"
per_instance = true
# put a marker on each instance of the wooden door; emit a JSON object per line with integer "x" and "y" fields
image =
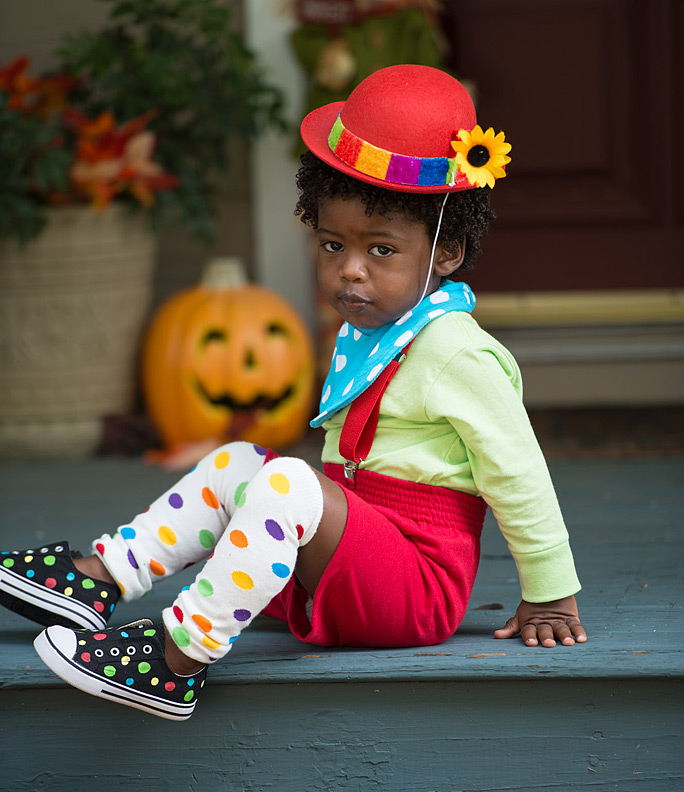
{"x": 590, "y": 93}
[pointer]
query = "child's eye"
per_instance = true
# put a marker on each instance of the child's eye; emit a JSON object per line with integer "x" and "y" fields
{"x": 381, "y": 250}
{"x": 332, "y": 247}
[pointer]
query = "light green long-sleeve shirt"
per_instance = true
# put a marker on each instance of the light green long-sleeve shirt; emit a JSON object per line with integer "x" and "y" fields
{"x": 453, "y": 417}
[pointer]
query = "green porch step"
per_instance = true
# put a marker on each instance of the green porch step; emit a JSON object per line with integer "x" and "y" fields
{"x": 471, "y": 714}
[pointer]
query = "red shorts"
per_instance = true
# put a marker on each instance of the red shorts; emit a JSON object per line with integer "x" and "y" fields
{"x": 402, "y": 573}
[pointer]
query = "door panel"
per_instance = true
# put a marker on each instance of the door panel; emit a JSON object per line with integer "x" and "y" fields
{"x": 590, "y": 93}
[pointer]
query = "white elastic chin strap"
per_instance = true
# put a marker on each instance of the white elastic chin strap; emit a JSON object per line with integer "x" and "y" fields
{"x": 432, "y": 254}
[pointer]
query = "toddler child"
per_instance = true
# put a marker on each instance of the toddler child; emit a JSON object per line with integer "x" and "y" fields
{"x": 424, "y": 428}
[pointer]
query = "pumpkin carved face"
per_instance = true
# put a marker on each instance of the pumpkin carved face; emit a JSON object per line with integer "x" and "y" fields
{"x": 230, "y": 363}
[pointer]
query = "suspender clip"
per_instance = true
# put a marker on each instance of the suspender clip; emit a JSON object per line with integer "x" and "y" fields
{"x": 350, "y": 469}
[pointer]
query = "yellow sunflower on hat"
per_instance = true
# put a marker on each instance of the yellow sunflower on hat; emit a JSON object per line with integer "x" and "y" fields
{"x": 481, "y": 155}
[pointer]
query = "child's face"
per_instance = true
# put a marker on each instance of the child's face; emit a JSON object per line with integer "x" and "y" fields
{"x": 372, "y": 270}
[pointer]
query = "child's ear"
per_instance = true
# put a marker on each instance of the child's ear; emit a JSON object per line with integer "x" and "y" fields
{"x": 446, "y": 263}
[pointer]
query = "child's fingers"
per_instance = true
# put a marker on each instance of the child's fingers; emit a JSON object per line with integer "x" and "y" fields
{"x": 510, "y": 629}
{"x": 578, "y": 631}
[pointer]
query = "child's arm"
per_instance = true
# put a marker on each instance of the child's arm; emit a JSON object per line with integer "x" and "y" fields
{"x": 544, "y": 622}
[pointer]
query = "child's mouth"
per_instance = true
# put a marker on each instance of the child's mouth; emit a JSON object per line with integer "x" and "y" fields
{"x": 353, "y": 303}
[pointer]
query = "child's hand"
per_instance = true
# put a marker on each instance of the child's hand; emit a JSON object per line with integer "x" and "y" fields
{"x": 543, "y": 622}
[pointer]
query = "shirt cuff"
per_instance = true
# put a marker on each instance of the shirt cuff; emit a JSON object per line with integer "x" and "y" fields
{"x": 548, "y": 574}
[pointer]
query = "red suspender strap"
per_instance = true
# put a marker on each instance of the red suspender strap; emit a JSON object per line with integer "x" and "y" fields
{"x": 362, "y": 419}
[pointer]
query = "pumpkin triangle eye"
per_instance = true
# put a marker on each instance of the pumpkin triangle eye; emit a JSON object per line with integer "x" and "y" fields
{"x": 214, "y": 335}
{"x": 275, "y": 328}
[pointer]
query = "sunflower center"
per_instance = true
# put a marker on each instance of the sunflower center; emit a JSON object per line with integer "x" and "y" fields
{"x": 478, "y": 156}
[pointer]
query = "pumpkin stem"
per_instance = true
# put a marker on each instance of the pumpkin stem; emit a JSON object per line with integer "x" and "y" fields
{"x": 224, "y": 273}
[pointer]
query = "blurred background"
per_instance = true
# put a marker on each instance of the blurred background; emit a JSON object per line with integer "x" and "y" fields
{"x": 582, "y": 276}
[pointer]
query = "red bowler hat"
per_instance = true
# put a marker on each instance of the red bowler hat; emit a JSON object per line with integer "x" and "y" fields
{"x": 408, "y": 128}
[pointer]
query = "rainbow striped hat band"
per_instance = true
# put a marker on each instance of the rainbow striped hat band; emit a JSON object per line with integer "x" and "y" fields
{"x": 411, "y": 129}
{"x": 366, "y": 158}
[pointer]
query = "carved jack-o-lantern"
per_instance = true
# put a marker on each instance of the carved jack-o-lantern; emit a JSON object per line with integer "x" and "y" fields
{"x": 228, "y": 360}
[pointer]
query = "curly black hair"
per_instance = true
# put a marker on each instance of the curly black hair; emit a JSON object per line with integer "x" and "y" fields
{"x": 466, "y": 213}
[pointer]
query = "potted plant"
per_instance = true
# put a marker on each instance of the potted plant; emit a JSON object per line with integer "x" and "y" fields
{"x": 128, "y": 134}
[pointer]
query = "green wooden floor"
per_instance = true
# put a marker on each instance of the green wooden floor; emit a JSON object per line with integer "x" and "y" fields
{"x": 471, "y": 714}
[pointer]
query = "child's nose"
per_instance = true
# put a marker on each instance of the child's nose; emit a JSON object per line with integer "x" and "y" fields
{"x": 353, "y": 268}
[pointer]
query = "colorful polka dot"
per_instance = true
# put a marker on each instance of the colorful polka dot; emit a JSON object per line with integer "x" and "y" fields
{"x": 238, "y": 539}
{"x": 68, "y": 591}
{"x": 50, "y": 583}
{"x": 170, "y": 686}
{"x": 85, "y": 657}
{"x": 202, "y": 622}
{"x": 240, "y": 496}
{"x": 144, "y": 667}
{"x": 178, "y": 613}
{"x": 149, "y": 633}
{"x": 127, "y": 532}
{"x": 30, "y": 573}
{"x": 166, "y": 535}
{"x": 280, "y": 570}
{"x": 300, "y": 531}
{"x": 125, "y": 660}
{"x": 99, "y": 636}
{"x": 207, "y": 539}
{"x": 28, "y": 559}
{"x": 131, "y": 560}
{"x": 156, "y": 568}
{"x": 109, "y": 671}
{"x": 130, "y": 681}
{"x": 242, "y": 580}
{"x": 189, "y": 696}
{"x": 88, "y": 583}
{"x": 154, "y": 681}
{"x": 209, "y": 498}
{"x": 49, "y": 560}
{"x": 210, "y": 643}
{"x": 100, "y": 548}
{"x": 275, "y": 530}
{"x": 241, "y": 615}
{"x": 204, "y": 587}
{"x": 70, "y": 576}
{"x": 279, "y": 483}
{"x": 222, "y": 460}
{"x": 175, "y": 500}
{"x": 8, "y": 563}
{"x": 261, "y": 451}
{"x": 181, "y": 636}
{"x": 99, "y": 606}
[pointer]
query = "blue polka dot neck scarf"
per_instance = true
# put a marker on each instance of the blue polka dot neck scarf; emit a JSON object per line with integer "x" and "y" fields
{"x": 360, "y": 355}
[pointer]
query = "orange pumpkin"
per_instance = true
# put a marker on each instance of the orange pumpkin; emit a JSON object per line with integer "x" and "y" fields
{"x": 228, "y": 360}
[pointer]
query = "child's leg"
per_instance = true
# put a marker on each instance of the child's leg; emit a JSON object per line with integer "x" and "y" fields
{"x": 51, "y": 585}
{"x": 279, "y": 512}
{"x": 183, "y": 525}
{"x": 286, "y": 506}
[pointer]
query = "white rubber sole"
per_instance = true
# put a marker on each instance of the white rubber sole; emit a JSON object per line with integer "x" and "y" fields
{"x": 56, "y": 647}
{"x": 42, "y": 599}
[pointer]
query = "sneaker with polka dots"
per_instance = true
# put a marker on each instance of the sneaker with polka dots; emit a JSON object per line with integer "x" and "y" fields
{"x": 125, "y": 665}
{"x": 45, "y": 586}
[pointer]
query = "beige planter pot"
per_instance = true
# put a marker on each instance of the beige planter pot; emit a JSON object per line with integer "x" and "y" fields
{"x": 72, "y": 308}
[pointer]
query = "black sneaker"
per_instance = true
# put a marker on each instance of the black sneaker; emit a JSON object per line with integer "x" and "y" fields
{"x": 44, "y": 585}
{"x": 122, "y": 664}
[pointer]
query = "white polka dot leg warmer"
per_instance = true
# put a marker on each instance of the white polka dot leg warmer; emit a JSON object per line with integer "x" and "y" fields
{"x": 183, "y": 525}
{"x": 279, "y": 512}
